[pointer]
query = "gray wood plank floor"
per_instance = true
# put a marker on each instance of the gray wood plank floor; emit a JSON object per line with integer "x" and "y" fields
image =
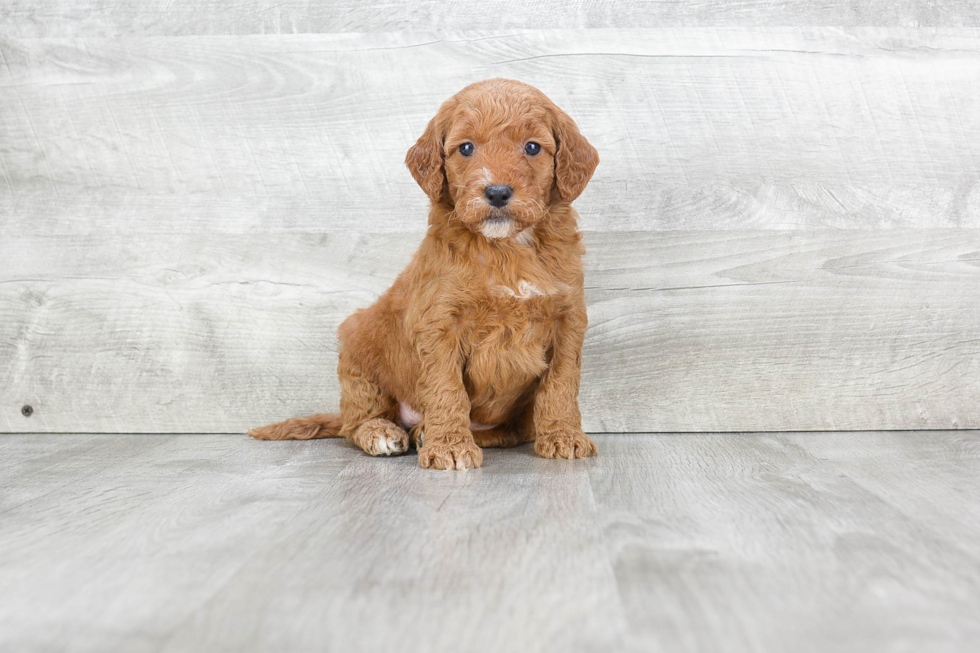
{"x": 748, "y": 542}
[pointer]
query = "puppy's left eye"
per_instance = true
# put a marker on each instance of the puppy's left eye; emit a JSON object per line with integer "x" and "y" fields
{"x": 532, "y": 148}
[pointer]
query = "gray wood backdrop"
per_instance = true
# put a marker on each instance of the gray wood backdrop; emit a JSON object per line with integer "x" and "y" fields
{"x": 784, "y": 232}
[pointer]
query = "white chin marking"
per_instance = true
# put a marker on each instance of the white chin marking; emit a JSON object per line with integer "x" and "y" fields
{"x": 496, "y": 228}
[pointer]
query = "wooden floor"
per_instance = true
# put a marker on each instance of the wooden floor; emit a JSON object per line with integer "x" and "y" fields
{"x": 753, "y": 542}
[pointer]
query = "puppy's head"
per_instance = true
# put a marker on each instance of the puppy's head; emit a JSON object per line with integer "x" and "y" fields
{"x": 500, "y": 153}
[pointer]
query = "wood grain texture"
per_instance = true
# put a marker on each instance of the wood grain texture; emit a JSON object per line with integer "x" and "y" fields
{"x": 137, "y": 530}
{"x": 752, "y": 542}
{"x": 837, "y": 330}
{"x": 932, "y": 478}
{"x": 689, "y": 331}
{"x": 783, "y": 229}
{"x": 47, "y": 18}
{"x": 775, "y": 128}
{"x": 314, "y": 547}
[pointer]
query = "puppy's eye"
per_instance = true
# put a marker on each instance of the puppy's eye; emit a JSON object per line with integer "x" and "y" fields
{"x": 466, "y": 149}
{"x": 532, "y": 148}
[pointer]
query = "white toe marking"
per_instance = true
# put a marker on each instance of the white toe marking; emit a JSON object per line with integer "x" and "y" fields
{"x": 386, "y": 446}
{"x": 381, "y": 446}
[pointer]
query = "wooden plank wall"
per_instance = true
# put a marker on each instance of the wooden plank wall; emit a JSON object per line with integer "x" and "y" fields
{"x": 784, "y": 232}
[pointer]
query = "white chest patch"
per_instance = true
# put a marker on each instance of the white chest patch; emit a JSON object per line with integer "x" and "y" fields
{"x": 525, "y": 290}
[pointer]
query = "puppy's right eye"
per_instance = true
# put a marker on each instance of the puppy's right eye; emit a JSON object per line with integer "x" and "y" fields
{"x": 466, "y": 149}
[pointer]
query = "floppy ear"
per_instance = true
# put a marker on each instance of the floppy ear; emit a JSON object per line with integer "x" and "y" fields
{"x": 425, "y": 159}
{"x": 575, "y": 160}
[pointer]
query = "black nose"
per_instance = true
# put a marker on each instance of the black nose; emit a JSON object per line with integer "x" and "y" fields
{"x": 498, "y": 195}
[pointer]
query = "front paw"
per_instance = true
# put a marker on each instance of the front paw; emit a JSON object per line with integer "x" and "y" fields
{"x": 443, "y": 455}
{"x": 565, "y": 444}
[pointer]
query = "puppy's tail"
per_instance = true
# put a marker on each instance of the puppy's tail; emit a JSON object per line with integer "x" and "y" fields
{"x": 324, "y": 425}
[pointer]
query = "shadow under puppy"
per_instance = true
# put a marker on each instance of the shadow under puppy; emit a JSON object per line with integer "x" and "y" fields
{"x": 479, "y": 341}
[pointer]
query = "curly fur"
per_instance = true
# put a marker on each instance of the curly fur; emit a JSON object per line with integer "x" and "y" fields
{"x": 479, "y": 341}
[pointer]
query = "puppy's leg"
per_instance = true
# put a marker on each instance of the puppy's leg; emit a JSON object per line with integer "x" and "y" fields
{"x": 448, "y": 447}
{"x": 367, "y": 412}
{"x": 444, "y": 433}
{"x": 556, "y": 418}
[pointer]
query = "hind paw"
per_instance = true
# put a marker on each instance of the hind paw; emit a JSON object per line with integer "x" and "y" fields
{"x": 379, "y": 437}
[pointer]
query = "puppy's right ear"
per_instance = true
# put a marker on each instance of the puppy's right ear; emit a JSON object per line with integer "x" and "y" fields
{"x": 425, "y": 159}
{"x": 575, "y": 160}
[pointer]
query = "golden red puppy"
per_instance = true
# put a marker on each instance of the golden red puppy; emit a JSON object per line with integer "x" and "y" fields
{"x": 479, "y": 341}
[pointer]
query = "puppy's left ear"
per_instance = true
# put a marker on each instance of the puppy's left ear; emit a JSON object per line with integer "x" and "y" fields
{"x": 425, "y": 159}
{"x": 575, "y": 160}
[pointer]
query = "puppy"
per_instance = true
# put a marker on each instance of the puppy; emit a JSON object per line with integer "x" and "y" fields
{"x": 479, "y": 341}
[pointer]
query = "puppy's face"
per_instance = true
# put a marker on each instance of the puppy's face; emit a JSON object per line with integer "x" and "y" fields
{"x": 499, "y": 167}
{"x": 500, "y": 153}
